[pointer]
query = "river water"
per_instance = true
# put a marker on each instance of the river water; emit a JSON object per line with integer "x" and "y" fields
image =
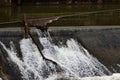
{"x": 11, "y": 14}
{"x": 74, "y": 62}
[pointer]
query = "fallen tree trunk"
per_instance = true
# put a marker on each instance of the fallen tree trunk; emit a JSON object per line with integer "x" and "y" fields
{"x": 39, "y": 48}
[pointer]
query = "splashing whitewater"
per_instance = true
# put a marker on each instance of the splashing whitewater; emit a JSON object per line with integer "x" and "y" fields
{"x": 74, "y": 60}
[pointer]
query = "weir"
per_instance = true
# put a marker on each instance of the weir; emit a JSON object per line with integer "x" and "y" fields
{"x": 101, "y": 42}
{"x": 59, "y": 38}
{"x": 64, "y": 52}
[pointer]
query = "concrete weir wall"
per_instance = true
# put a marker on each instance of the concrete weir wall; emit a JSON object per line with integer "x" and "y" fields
{"x": 103, "y": 43}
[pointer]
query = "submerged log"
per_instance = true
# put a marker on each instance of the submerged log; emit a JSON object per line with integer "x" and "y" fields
{"x": 58, "y": 67}
{"x": 39, "y": 48}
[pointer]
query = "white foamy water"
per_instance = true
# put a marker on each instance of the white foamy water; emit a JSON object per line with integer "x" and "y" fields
{"x": 73, "y": 57}
{"x": 112, "y": 77}
{"x": 115, "y": 76}
{"x": 74, "y": 60}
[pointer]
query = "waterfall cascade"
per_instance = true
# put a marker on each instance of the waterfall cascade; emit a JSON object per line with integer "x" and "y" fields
{"x": 73, "y": 60}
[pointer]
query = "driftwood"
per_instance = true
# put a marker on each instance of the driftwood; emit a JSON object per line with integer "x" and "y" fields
{"x": 42, "y": 21}
{"x": 26, "y": 29}
{"x": 28, "y": 33}
{"x": 38, "y": 46}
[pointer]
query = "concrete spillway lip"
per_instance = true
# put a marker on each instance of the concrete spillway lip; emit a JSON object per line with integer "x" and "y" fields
{"x": 81, "y": 27}
{"x": 52, "y": 28}
{"x": 12, "y": 29}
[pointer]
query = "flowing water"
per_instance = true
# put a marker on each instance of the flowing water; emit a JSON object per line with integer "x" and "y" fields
{"x": 73, "y": 61}
{"x": 113, "y": 77}
{"x": 15, "y": 14}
